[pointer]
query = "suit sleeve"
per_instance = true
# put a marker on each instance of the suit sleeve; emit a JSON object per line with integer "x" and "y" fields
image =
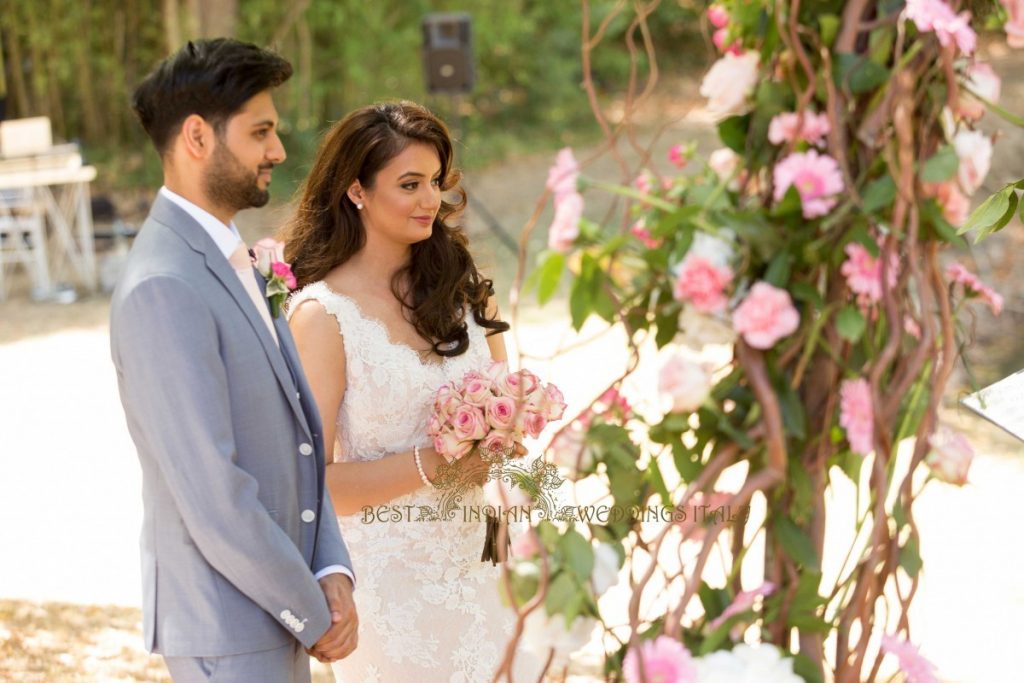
{"x": 330, "y": 548}
{"x": 176, "y": 392}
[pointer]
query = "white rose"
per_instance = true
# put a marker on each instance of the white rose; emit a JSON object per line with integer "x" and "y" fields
{"x": 729, "y": 83}
{"x": 715, "y": 248}
{"x": 685, "y": 382}
{"x": 974, "y": 149}
{"x": 606, "y": 568}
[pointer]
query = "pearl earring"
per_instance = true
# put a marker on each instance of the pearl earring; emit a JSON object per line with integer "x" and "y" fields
{"x": 359, "y": 206}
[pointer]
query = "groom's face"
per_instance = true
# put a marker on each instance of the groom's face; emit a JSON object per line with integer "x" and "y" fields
{"x": 247, "y": 149}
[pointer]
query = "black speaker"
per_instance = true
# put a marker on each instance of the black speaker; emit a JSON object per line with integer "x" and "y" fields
{"x": 448, "y": 53}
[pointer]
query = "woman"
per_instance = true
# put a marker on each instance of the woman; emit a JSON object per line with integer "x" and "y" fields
{"x": 392, "y": 307}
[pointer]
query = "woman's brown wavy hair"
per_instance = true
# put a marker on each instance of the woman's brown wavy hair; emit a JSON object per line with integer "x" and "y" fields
{"x": 441, "y": 277}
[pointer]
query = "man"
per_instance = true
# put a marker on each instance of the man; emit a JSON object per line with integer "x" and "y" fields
{"x": 242, "y": 559}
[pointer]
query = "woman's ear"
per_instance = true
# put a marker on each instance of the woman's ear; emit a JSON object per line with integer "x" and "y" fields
{"x": 356, "y": 194}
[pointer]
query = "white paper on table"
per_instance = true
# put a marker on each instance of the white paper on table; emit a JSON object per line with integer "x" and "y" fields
{"x": 1002, "y": 404}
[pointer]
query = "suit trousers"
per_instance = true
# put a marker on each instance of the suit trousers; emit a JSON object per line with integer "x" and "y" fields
{"x": 288, "y": 664}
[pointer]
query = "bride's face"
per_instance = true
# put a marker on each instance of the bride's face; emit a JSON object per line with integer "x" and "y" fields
{"x": 405, "y": 197}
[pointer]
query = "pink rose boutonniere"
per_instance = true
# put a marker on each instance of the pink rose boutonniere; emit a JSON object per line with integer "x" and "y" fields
{"x": 269, "y": 260}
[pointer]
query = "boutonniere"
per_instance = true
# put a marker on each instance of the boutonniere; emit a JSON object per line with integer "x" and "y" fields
{"x": 268, "y": 257}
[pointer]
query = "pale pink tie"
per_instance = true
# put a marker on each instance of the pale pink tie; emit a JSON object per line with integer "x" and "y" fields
{"x": 242, "y": 264}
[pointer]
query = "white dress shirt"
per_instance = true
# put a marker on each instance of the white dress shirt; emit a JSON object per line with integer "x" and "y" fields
{"x": 226, "y": 237}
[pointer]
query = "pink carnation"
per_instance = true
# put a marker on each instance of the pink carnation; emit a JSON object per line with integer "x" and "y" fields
{"x": 640, "y": 231}
{"x": 765, "y": 316}
{"x": 857, "y": 415}
{"x": 563, "y": 175}
{"x": 565, "y": 227}
{"x": 949, "y": 27}
{"x": 914, "y": 666}
{"x": 815, "y": 176}
{"x": 864, "y": 273}
{"x": 664, "y": 660}
{"x": 954, "y": 204}
{"x": 677, "y": 156}
{"x": 703, "y": 284}
{"x": 958, "y": 274}
{"x": 786, "y": 127}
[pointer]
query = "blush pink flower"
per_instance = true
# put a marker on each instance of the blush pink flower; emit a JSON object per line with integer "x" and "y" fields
{"x": 497, "y": 441}
{"x": 563, "y": 175}
{"x": 912, "y": 663}
{"x": 1014, "y": 26}
{"x": 267, "y": 251}
{"x": 643, "y": 183}
{"x": 974, "y": 150}
{"x": 501, "y": 412}
{"x": 743, "y": 602}
{"x": 703, "y": 284}
{"x": 718, "y": 39}
{"x": 565, "y": 227}
{"x": 954, "y": 204}
{"x": 786, "y": 127}
{"x": 857, "y": 415}
{"x": 665, "y": 660}
{"x": 863, "y": 273}
{"x": 816, "y": 177}
{"x": 685, "y": 382}
{"x": 950, "y": 457}
{"x": 525, "y": 545}
{"x": 724, "y": 163}
{"x": 729, "y": 83}
{"x": 446, "y": 401}
{"x": 476, "y": 391}
{"x": 957, "y": 274}
{"x": 468, "y": 423}
{"x": 534, "y": 424}
{"x": 554, "y": 403}
{"x": 982, "y": 80}
{"x": 949, "y": 27}
{"x": 640, "y": 231}
{"x": 766, "y": 315}
{"x": 450, "y": 446}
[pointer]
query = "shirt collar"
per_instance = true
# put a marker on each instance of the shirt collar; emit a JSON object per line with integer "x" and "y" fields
{"x": 226, "y": 237}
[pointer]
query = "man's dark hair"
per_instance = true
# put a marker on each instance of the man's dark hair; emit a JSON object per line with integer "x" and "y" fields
{"x": 211, "y": 78}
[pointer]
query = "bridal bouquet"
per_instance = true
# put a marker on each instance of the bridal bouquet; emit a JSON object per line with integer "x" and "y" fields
{"x": 492, "y": 410}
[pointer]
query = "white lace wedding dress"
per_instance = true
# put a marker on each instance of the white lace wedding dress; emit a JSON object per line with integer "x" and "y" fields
{"x": 429, "y": 609}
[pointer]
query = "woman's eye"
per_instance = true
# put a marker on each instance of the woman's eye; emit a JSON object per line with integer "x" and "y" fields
{"x": 436, "y": 182}
{"x": 410, "y": 186}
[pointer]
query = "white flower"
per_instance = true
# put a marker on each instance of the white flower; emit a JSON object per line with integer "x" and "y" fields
{"x": 569, "y": 446}
{"x": 541, "y": 633}
{"x": 684, "y": 382}
{"x": 606, "y": 568}
{"x": 724, "y": 163}
{"x": 974, "y": 149}
{"x": 715, "y": 248}
{"x": 729, "y": 83}
{"x": 504, "y": 496}
{"x": 951, "y": 455}
{"x": 746, "y": 664}
{"x": 700, "y": 329}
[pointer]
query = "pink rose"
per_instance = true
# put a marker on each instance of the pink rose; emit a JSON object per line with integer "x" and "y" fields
{"x": 568, "y": 449}
{"x": 554, "y": 403}
{"x": 468, "y": 423}
{"x": 661, "y": 659}
{"x": 729, "y": 83}
{"x": 498, "y": 441}
{"x": 501, "y": 412}
{"x": 703, "y": 284}
{"x": 912, "y": 663}
{"x": 857, "y": 415}
{"x": 816, "y": 178}
{"x": 765, "y": 316}
{"x": 446, "y": 401}
{"x": 450, "y": 446}
{"x": 950, "y": 457}
{"x": 563, "y": 175}
{"x": 535, "y": 424}
{"x": 435, "y": 426}
{"x": 477, "y": 391}
{"x": 565, "y": 227}
{"x": 496, "y": 371}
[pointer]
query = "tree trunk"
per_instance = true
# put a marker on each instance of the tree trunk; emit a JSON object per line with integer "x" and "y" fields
{"x": 193, "y": 19}
{"x": 218, "y": 18}
{"x": 92, "y": 122}
{"x": 37, "y": 65}
{"x": 18, "y": 87}
{"x": 172, "y": 25}
{"x": 305, "y": 75}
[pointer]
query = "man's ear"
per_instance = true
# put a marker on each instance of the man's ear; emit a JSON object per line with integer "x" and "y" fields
{"x": 197, "y": 136}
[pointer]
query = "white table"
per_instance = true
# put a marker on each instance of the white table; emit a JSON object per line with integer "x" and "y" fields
{"x": 64, "y": 195}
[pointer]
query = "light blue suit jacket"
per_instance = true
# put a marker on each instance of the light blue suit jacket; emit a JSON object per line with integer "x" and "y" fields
{"x": 237, "y": 520}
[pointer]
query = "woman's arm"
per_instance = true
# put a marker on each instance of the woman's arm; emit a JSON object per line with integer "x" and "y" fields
{"x": 353, "y": 485}
{"x": 496, "y": 342}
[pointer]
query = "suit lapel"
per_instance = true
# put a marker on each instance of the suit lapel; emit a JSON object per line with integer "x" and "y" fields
{"x": 178, "y": 220}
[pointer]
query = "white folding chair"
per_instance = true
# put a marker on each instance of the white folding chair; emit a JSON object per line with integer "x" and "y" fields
{"x": 23, "y": 239}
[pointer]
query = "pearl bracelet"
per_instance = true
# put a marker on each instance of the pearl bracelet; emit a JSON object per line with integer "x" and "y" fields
{"x": 419, "y": 466}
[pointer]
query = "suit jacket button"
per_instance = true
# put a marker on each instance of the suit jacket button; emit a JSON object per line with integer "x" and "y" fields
{"x": 305, "y": 449}
{"x": 286, "y": 615}
{"x": 308, "y": 516}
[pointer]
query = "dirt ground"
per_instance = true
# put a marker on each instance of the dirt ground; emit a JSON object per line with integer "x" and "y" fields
{"x": 69, "y": 482}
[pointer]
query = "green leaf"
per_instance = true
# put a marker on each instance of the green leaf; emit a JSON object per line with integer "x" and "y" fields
{"x": 577, "y": 554}
{"x": 802, "y": 291}
{"x": 941, "y": 166}
{"x": 561, "y": 591}
{"x": 910, "y": 558}
{"x": 779, "y": 269}
{"x": 850, "y": 323}
{"x": 733, "y": 132}
{"x": 989, "y": 213}
{"x": 829, "y": 24}
{"x": 790, "y": 203}
{"x": 867, "y": 76}
{"x": 688, "y": 462}
{"x": 658, "y": 482}
{"x": 879, "y": 194}
{"x": 667, "y": 321}
{"x": 549, "y": 274}
{"x": 793, "y": 418}
{"x": 807, "y": 669}
{"x": 580, "y": 306}
{"x": 796, "y": 543}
